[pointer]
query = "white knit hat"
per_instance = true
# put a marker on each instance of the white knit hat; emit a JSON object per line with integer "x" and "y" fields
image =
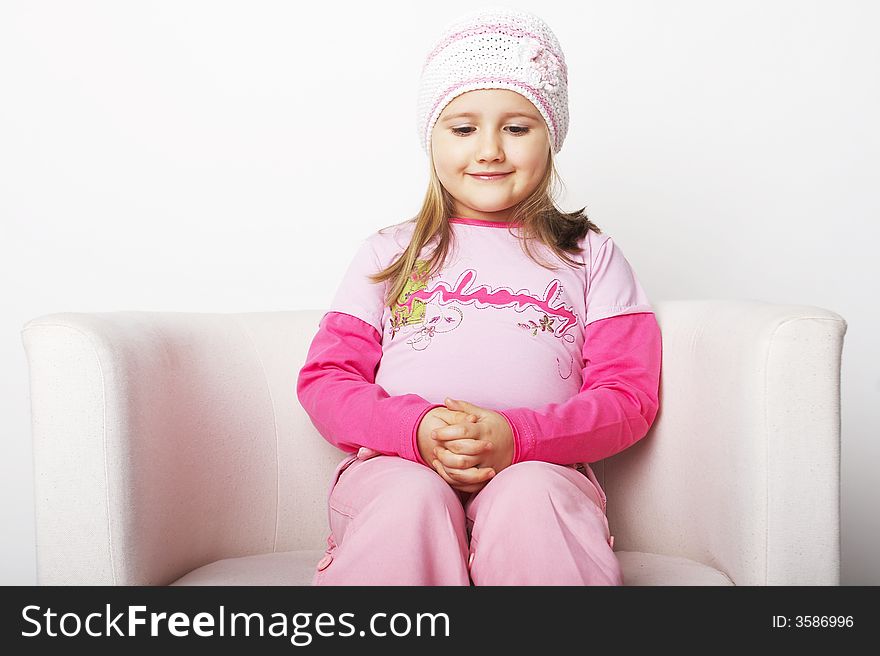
{"x": 496, "y": 48}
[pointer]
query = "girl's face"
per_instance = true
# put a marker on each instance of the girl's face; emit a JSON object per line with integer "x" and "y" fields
{"x": 502, "y": 132}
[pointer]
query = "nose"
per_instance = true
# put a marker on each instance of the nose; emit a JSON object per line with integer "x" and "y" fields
{"x": 489, "y": 146}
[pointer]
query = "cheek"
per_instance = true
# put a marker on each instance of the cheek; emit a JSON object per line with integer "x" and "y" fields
{"x": 446, "y": 157}
{"x": 532, "y": 162}
{"x": 454, "y": 169}
{"x": 448, "y": 174}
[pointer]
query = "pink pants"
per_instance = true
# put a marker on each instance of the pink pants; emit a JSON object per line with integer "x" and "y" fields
{"x": 396, "y": 522}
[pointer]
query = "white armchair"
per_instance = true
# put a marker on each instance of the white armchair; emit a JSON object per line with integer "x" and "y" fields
{"x": 170, "y": 448}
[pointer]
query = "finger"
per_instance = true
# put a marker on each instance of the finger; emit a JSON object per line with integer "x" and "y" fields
{"x": 454, "y": 460}
{"x": 454, "y": 416}
{"x": 447, "y": 415}
{"x": 468, "y": 446}
{"x": 470, "y": 488}
{"x": 438, "y": 467}
{"x": 458, "y": 404}
{"x": 457, "y": 431}
{"x": 470, "y": 475}
{"x": 464, "y": 487}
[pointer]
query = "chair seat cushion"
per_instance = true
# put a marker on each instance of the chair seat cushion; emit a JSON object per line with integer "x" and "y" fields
{"x": 281, "y": 568}
{"x": 298, "y": 568}
{"x": 640, "y": 568}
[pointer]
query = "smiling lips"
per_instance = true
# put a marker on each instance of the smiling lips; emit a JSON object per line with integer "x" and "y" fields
{"x": 489, "y": 176}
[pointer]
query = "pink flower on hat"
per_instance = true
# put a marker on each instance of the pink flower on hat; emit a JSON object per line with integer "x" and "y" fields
{"x": 535, "y": 56}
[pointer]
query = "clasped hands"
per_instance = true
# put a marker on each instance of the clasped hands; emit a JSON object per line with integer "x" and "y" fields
{"x": 467, "y": 445}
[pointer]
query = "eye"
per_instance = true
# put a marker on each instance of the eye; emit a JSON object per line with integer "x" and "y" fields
{"x": 519, "y": 130}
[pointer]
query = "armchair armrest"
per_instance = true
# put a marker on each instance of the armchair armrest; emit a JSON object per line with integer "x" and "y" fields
{"x": 155, "y": 445}
{"x": 741, "y": 469}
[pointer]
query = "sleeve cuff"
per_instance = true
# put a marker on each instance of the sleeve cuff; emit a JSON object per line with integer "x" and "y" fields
{"x": 411, "y": 446}
{"x": 519, "y": 448}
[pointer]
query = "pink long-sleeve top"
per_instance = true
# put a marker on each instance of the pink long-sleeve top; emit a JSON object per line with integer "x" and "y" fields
{"x": 571, "y": 357}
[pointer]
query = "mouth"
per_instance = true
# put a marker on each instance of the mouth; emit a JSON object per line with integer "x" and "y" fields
{"x": 489, "y": 178}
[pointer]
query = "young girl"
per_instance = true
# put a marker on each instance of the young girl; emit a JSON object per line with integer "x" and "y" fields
{"x": 478, "y": 357}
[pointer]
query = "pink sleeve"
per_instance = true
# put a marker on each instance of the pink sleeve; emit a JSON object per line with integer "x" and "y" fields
{"x": 616, "y": 405}
{"x": 337, "y": 389}
{"x": 357, "y": 295}
{"x": 613, "y": 286}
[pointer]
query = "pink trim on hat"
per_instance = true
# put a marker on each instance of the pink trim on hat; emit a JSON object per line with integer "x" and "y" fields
{"x": 505, "y": 80}
{"x": 510, "y": 30}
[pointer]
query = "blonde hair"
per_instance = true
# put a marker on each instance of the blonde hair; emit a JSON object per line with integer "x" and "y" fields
{"x": 538, "y": 215}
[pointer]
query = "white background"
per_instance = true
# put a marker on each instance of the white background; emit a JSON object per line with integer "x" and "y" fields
{"x": 229, "y": 156}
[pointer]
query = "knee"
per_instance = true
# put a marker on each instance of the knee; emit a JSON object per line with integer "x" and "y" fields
{"x": 527, "y": 476}
{"x": 527, "y": 484}
{"x": 420, "y": 491}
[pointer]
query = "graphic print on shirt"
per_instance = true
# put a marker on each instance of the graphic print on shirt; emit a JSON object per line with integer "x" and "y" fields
{"x": 410, "y": 310}
{"x": 411, "y": 313}
{"x": 437, "y": 308}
